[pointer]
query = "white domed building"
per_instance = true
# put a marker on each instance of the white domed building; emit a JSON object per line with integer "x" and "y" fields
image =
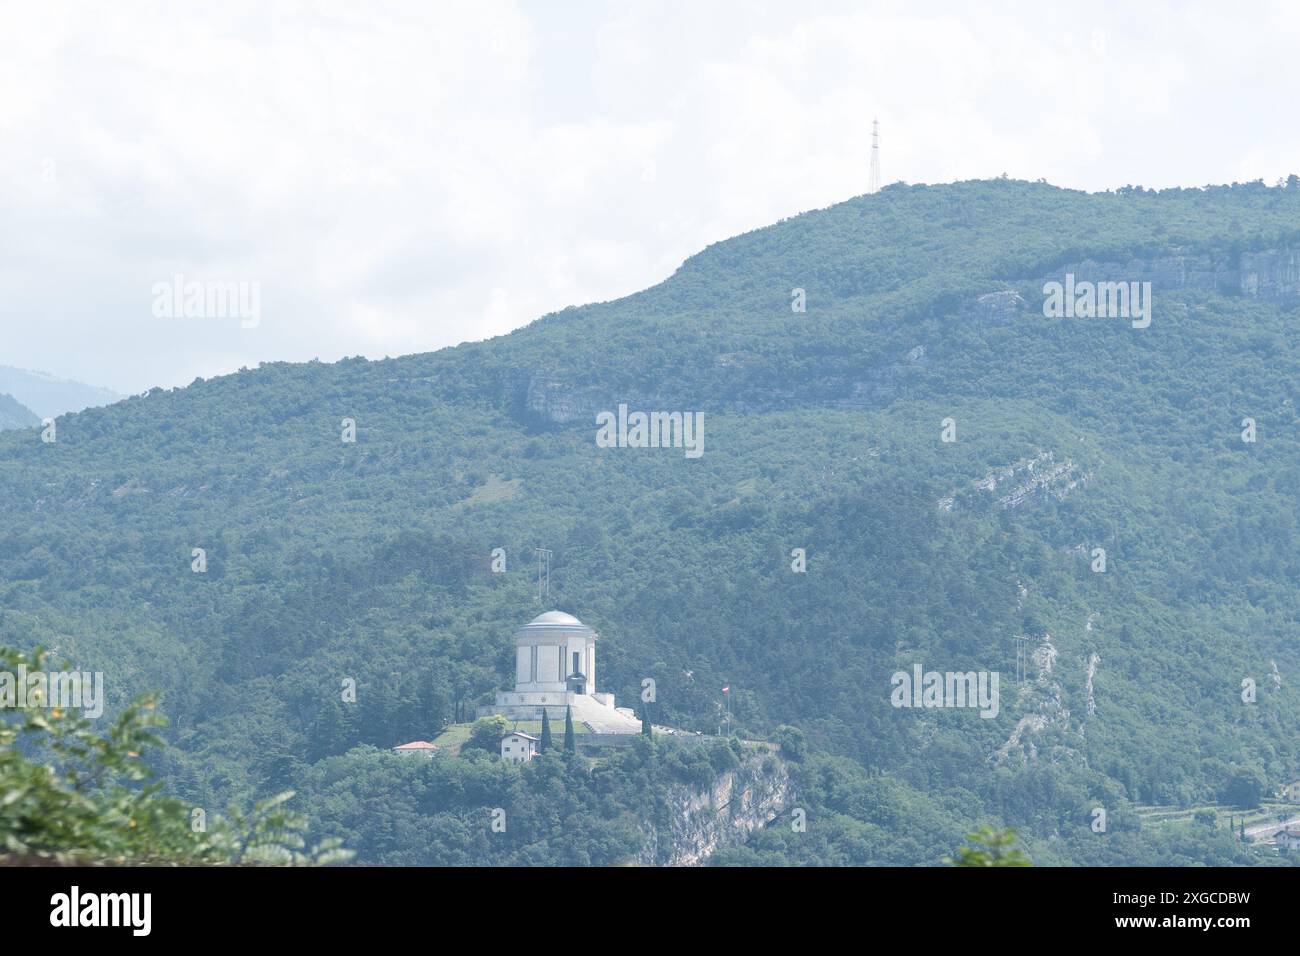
{"x": 555, "y": 669}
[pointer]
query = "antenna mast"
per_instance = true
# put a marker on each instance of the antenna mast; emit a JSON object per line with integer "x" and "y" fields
{"x": 543, "y": 574}
{"x": 873, "y": 183}
{"x": 1023, "y": 658}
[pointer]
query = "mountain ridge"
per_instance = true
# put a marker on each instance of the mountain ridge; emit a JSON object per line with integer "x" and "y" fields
{"x": 49, "y": 396}
{"x": 371, "y": 559}
{"x": 13, "y": 414}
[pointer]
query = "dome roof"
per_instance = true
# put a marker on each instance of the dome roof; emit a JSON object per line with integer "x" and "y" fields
{"x": 555, "y": 622}
{"x": 556, "y": 617}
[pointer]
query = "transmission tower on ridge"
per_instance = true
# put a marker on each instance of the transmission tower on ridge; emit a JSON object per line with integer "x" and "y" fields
{"x": 543, "y": 574}
{"x": 1023, "y": 658}
{"x": 873, "y": 184}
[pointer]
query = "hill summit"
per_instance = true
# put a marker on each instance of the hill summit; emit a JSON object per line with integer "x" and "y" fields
{"x": 911, "y": 467}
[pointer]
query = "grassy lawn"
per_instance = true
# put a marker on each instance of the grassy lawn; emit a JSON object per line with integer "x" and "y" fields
{"x": 493, "y": 490}
{"x": 453, "y": 737}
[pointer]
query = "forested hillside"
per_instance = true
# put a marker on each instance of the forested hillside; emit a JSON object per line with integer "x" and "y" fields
{"x": 371, "y": 560}
{"x": 13, "y": 414}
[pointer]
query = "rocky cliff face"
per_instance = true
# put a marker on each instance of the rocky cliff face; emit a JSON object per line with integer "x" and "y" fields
{"x": 1045, "y": 730}
{"x": 1272, "y": 275}
{"x": 701, "y": 821}
{"x": 557, "y": 402}
{"x": 1202, "y": 273}
{"x": 1039, "y": 477}
{"x": 544, "y": 399}
{"x": 1002, "y": 306}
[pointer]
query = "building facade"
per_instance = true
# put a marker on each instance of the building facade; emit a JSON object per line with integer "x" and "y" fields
{"x": 555, "y": 662}
{"x": 555, "y": 673}
{"x": 518, "y": 748}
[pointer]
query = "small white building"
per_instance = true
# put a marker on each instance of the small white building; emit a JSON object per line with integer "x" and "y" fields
{"x": 518, "y": 747}
{"x": 419, "y": 748}
{"x": 1288, "y": 839}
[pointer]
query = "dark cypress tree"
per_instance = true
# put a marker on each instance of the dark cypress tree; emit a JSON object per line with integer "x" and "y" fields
{"x": 570, "y": 746}
{"x": 645, "y": 721}
{"x": 545, "y": 745}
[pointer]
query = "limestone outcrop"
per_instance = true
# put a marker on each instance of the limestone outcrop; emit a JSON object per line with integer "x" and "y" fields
{"x": 699, "y": 821}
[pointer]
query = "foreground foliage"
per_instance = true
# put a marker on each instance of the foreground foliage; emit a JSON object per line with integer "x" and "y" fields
{"x": 71, "y": 792}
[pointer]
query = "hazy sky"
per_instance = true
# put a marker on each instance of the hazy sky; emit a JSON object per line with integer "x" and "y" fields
{"x": 422, "y": 174}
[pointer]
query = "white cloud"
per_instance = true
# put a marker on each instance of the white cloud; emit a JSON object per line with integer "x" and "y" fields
{"x": 412, "y": 176}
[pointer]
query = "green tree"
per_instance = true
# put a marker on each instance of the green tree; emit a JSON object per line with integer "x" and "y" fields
{"x": 1244, "y": 788}
{"x": 486, "y": 734}
{"x": 791, "y": 740}
{"x": 570, "y": 746}
{"x": 72, "y": 794}
{"x": 545, "y": 744}
{"x": 990, "y": 847}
